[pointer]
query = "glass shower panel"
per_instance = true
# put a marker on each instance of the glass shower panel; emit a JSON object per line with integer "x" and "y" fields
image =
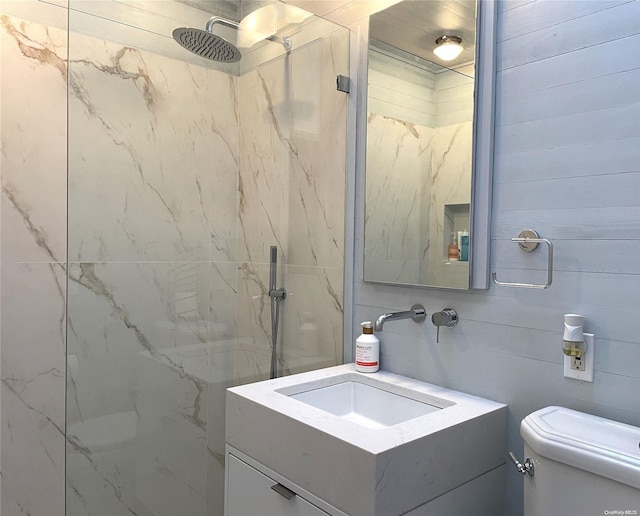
{"x": 292, "y": 187}
{"x": 181, "y": 174}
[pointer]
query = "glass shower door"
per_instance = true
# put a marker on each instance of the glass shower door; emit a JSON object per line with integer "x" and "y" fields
{"x": 292, "y": 196}
{"x": 181, "y": 175}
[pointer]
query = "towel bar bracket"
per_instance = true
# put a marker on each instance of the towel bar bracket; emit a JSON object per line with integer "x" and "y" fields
{"x": 528, "y": 240}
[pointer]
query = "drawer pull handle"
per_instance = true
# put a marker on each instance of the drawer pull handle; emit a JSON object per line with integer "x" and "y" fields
{"x": 283, "y": 491}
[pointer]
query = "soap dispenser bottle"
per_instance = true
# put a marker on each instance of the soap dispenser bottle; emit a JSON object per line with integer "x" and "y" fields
{"x": 453, "y": 253}
{"x": 463, "y": 242}
{"x": 367, "y": 350}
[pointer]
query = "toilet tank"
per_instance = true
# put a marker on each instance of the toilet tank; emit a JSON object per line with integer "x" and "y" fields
{"x": 584, "y": 465}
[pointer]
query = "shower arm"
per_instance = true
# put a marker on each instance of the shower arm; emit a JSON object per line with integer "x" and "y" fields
{"x": 284, "y": 40}
{"x": 220, "y": 21}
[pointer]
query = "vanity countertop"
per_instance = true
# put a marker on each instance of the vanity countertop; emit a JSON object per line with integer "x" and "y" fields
{"x": 362, "y": 470}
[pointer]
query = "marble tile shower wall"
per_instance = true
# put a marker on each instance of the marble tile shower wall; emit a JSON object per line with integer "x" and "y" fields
{"x": 292, "y": 195}
{"x": 451, "y": 169}
{"x": 33, "y": 253}
{"x": 419, "y": 133}
{"x": 567, "y": 164}
{"x": 151, "y": 269}
{"x": 152, "y": 226}
{"x": 398, "y": 170}
{"x": 401, "y": 105}
{"x": 156, "y": 201}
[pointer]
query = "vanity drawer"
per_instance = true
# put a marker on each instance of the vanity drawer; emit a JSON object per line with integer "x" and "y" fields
{"x": 250, "y": 493}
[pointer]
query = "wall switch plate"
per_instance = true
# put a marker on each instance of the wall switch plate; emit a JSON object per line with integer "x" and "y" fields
{"x": 581, "y": 369}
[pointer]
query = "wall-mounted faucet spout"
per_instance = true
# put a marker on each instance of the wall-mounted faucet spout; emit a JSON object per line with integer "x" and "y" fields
{"x": 417, "y": 313}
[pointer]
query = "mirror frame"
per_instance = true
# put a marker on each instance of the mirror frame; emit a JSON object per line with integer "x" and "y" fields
{"x": 482, "y": 147}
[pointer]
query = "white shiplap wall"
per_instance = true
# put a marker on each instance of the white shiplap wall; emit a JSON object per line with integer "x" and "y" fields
{"x": 567, "y": 163}
{"x": 399, "y": 90}
{"x": 454, "y": 93}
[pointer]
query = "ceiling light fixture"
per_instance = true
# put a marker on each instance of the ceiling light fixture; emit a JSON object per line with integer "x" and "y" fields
{"x": 448, "y": 47}
{"x": 258, "y": 26}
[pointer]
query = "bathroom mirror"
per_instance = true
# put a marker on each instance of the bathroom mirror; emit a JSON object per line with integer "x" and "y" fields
{"x": 429, "y": 141}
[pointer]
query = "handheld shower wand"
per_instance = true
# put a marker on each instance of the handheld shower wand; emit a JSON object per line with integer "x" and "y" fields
{"x": 276, "y": 295}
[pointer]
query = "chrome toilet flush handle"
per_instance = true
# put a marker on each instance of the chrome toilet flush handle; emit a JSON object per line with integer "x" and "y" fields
{"x": 525, "y": 468}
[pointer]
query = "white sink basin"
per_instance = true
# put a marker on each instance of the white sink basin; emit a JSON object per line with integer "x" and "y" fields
{"x": 365, "y": 402}
{"x": 378, "y": 444}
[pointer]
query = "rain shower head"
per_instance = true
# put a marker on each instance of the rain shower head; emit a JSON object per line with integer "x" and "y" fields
{"x": 207, "y": 44}
{"x": 211, "y": 46}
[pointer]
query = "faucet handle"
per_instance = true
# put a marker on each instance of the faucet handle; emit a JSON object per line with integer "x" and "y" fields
{"x": 447, "y": 317}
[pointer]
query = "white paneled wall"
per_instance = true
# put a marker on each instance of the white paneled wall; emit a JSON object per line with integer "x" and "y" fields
{"x": 400, "y": 90}
{"x": 567, "y": 163}
{"x": 454, "y": 92}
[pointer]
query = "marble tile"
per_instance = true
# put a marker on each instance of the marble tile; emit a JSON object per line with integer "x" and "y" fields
{"x": 117, "y": 311}
{"x": 253, "y": 353}
{"x": 451, "y": 185}
{"x": 33, "y": 130}
{"x": 308, "y": 445}
{"x": 138, "y": 337}
{"x": 310, "y": 330}
{"x": 33, "y": 216}
{"x": 171, "y": 445}
{"x": 292, "y": 174}
{"x": 223, "y": 292}
{"x": 398, "y": 189}
{"x": 154, "y": 186}
{"x": 32, "y": 375}
{"x": 145, "y": 190}
{"x": 221, "y": 371}
{"x": 221, "y": 356}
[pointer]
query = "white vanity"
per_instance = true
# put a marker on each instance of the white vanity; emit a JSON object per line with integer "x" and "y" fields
{"x": 335, "y": 441}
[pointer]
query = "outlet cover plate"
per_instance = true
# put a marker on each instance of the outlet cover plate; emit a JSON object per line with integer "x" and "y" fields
{"x": 587, "y": 374}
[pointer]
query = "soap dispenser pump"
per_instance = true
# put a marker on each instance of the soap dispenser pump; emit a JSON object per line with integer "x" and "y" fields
{"x": 367, "y": 350}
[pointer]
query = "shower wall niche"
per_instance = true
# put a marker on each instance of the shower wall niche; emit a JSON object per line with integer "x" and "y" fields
{"x": 181, "y": 174}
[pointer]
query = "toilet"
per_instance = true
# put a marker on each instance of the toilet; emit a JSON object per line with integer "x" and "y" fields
{"x": 583, "y": 465}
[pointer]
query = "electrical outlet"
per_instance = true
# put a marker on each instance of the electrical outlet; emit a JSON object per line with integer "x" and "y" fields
{"x": 577, "y": 363}
{"x": 581, "y": 368}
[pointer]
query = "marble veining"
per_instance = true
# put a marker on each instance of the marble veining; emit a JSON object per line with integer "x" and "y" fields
{"x": 408, "y": 186}
{"x": 451, "y": 185}
{"x": 33, "y": 266}
{"x": 43, "y": 51}
{"x": 33, "y": 161}
{"x": 172, "y": 166}
{"x": 291, "y": 195}
{"x": 398, "y": 188}
{"x": 33, "y": 418}
{"x": 161, "y": 172}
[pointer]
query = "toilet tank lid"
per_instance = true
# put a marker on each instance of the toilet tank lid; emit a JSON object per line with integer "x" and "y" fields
{"x": 602, "y": 446}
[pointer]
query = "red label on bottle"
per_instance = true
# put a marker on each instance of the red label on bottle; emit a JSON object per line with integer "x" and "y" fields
{"x": 367, "y": 364}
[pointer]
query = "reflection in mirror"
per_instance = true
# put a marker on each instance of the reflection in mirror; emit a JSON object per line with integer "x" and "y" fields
{"x": 419, "y": 145}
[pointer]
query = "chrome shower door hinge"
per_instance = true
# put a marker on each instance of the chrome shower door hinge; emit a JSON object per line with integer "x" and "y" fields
{"x": 343, "y": 83}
